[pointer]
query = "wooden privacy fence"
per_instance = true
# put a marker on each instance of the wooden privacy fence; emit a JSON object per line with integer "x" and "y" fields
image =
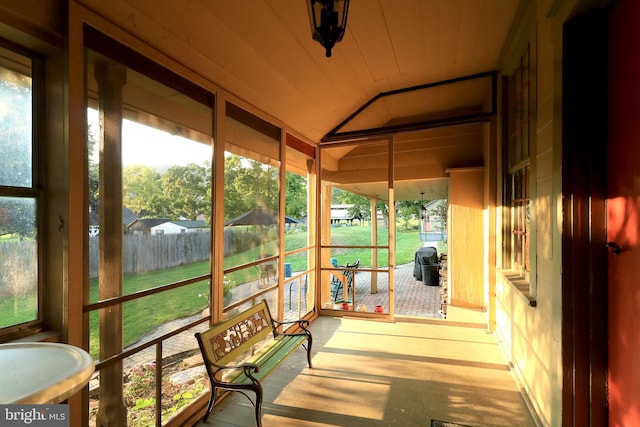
{"x": 18, "y": 267}
{"x": 142, "y": 252}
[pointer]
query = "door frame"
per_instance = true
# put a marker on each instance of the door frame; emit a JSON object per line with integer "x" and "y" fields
{"x": 584, "y": 256}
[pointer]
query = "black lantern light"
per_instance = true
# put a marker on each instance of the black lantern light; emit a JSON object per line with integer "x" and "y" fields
{"x": 328, "y": 19}
{"x": 423, "y": 208}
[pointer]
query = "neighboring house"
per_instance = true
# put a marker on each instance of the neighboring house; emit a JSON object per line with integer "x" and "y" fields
{"x": 144, "y": 225}
{"x": 128, "y": 217}
{"x": 94, "y": 224}
{"x": 175, "y": 227}
{"x": 432, "y": 219}
{"x": 340, "y": 213}
{"x": 432, "y": 228}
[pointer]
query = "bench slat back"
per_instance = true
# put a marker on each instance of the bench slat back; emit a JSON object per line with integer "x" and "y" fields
{"x": 227, "y": 340}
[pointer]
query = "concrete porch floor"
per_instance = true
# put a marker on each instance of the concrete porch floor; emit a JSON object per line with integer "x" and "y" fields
{"x": 373, "y": 373}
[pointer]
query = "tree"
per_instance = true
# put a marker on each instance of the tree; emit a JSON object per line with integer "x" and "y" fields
{"x": 94, "y": 170}
{"x": 408, "y": 210}
{"x": 384, "y": 210}
{"x": 16, "y": 123}
{"x": 142, "y": 191}
{"x": 18, "y": 216}
{"x": 249, "y": 183}
{"x": 361, "y": 208}
{"x": 234, "y": 203}
{"x": 295, "y": 195}
{"x": 441, "y": 213}
{"x": 336, "y": 195}
{"x": 187, "y": 190}
{"x": 262, "y": 181}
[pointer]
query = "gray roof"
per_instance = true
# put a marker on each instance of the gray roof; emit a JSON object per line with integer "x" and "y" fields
{"x": 191, "y": 224}
{"x": 151, "y": 222}
{"x": 127, "y": 217}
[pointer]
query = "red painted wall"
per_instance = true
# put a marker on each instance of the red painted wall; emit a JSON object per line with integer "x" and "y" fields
{"x": 623, "y": 214}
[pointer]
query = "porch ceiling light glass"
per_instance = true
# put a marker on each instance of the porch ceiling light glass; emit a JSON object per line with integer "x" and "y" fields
{"x": 328, "y": 19}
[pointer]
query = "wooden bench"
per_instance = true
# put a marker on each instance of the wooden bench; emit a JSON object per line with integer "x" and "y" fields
{"x": 224, "y": 343}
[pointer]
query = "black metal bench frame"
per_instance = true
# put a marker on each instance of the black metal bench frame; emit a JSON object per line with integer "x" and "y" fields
{"x": 230, "y": 339}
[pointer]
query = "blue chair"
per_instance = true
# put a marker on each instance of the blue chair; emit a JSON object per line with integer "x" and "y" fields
{"x": 348, "y": 274}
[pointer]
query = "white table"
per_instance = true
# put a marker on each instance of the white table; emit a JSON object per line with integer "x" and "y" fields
{"x": 41, "y": 372}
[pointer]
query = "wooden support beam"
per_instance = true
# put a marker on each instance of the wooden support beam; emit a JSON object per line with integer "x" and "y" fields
{"x": 111, "y": 78}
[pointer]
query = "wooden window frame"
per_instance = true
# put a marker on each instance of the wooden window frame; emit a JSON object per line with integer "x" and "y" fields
{"x": 35, "y": 191}
{"x": 517, "y": 119}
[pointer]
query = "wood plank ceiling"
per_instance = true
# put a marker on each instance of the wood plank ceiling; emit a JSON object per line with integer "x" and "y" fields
{"x": 262, "y": 52}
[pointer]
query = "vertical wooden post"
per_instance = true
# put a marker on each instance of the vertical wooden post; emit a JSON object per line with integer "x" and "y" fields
{"x": 281, "y": 222}
{"x": 312, "y": 232}
{"x": 374, "y": 242}
{"x": 111, "y": 78}
{"x": 77, "y": 239}
{"x": 391, "y": 229}
{"x": 216, "y": 289}
{"x": 490, "y": 202}
{"x": 325, "y": 230}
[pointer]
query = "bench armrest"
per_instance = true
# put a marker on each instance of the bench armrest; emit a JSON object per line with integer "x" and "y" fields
{"x": 249, "y": 370}
{"x": 302, "y": 323}
{"x": 245, "y": 366}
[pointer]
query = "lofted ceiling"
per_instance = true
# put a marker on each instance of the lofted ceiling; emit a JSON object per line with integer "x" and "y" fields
{"x": 262, "y": 52}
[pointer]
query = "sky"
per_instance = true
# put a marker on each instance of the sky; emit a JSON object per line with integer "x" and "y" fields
{"x": 155, "y": 148}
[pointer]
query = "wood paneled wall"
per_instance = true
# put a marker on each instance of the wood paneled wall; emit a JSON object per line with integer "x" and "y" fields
{"x": 466, "y": 237}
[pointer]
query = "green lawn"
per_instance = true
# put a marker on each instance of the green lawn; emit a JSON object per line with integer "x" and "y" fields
{"x": 143, "y": 315}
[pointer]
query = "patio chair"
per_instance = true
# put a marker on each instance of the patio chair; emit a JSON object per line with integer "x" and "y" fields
{"x": 266, "y": 271}
{"x": 348, "y": 275}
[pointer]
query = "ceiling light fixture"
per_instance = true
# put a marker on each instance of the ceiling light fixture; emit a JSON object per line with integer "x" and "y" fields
{"x": 328, "y": 19}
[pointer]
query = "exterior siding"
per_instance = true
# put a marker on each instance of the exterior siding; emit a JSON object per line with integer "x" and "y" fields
{"x": 531, "y": 337}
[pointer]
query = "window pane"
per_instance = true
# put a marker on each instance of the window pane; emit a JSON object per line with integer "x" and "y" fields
{"x": 296, "y": 197}
{"x": 354, "y": 176}
{"x": 518, "y": 112}
{"x": 165, "y": 165}
{"x": 251, "y": 203}
{"x": 298, "y": 285}
{"x": 18, "y": 261}
{"x": 299, "y": 281}
{"x": 149, "y": 147}
{"x": 517, "y": 151}
{"x": 251, "y": 210}
{"x": 355, "y": 211}
{"x": 15, "y": 120}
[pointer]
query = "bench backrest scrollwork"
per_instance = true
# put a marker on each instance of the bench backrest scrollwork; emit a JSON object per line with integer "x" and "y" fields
{"x": 227, "y": 340}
